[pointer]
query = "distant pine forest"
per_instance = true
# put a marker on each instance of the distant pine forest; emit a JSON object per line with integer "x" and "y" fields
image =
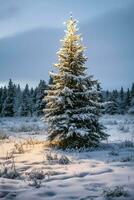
{"x": 15, "y": 101}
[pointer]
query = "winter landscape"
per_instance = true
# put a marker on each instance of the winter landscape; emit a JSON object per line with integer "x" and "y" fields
{"x": 35, "y": 171}
{"x": 69, "y": 136}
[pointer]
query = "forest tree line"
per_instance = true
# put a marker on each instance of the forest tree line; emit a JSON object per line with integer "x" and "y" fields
{"x": 15, "y": 101}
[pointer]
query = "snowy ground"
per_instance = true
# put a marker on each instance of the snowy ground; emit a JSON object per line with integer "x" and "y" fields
{"x": 31, "y": 171}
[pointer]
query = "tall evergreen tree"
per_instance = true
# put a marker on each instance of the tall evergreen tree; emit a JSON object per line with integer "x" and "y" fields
{"x": 17, "y": 100}
{"x": 99, "y": 89}
{"x": 128, "y": 100}
{"x": 72, "y": 109}
{"x": 1, "y": 89}
{"x": 25, "y": 104}
{"x": 34, "y": 99}
{"x": 3, "y": 98}
{"x": 121, "y": 94}
{"x": 131, "y": 109}
{"x": 122, "y": 101}
{"x": 31, "y": 102}
{"x": 132, "y": 90}
{"x": 107, "y": 95}
{"x": 112, "y": 107}
{"x": 8, "y": 105}
{"x": 40, "y": 102}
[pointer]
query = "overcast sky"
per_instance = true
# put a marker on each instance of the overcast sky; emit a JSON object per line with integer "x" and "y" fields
{"x": 30, "y": 31}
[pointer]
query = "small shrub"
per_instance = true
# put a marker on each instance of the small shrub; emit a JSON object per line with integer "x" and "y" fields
{"x": 127, "y": 158}
{"x": 35, "y": 183}
{"x": 36, "y": 174}
{"x": 29, "y": 141}
{"x": 63, "y": 160}
{"x": 116, "y": 191}
{"x": 18, "y": 148}
{"x": 123, "y": 128}
{"x": 114, "y": 153}
{"x": 9, "y": 171}
{"x": 9, "y": 155}
{"x": 3, "y": 135}
{"x": 35, "y": 177}
{"x": 54, "y": 159}
{"x": 49, "y": 156}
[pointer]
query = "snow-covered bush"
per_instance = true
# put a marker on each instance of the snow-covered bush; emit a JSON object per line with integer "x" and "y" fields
{"x": 51, "y": 157}
{"x": 8, "y": 170}
{"x": 117, "y": 191}
{"x": 124, "y": 128}
{"x": 63, "y": 160}
{"x": 18, "y": 148}
{"x": 36, "y": 174}
{"x": 55, "y": 159}
{"x": 35, "y": 177}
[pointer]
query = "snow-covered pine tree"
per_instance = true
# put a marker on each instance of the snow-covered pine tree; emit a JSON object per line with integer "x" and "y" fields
{"x": 17, "y": 100}
{"x": 3, "y": 97}
{"x": 128, "y": 100}
{"x": 122, "y": 101}
{"x": 32, "y": 101}
{"x": 100, "y": 93}
{"x": 40, "y": 103}
{"x": 132, "y": 90}
{"x": 1, "y": 89}
{"x": 73, "y": 107}
{"x": 131, "y": 109}
{"x": 25, "y": 103}
{"x": 113, "y": 105}
{"x": 8, "y": 105}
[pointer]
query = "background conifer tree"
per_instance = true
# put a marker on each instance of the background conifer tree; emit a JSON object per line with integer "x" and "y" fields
{"x": 1, "y": 89}
{"x": 132, "y": 90}
{"x": 17, "y": 100}
{"x": 73, "y": 107}
{"x": 25, "y": 103}
{"x": 40, "y": 103}
{"x": 128, "y": 99}
{"x": 112, "y": 106}
{"x": 122, "y": 101}
{"x": 3, "y": 98}
{"x": 131, "y": 106}
{"x": 8, "y": 105}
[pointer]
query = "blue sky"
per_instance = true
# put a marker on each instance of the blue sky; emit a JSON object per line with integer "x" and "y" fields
{"x": 30, "y": 31}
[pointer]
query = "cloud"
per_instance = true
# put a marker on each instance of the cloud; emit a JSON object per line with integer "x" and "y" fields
{"x": 19, "y": 16}
{"x": 8, "y": 9}
{"x": 28, "y": 56}
{"x": 109, "y": 41}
